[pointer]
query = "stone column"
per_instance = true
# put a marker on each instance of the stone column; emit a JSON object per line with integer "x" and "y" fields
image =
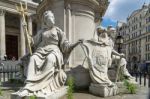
{"x": 2, "y": 34}
{"x": 68, "y": 27}
{"x": 22, "y": 40}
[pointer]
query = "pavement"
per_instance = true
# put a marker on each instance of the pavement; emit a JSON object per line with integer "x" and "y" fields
{"x": 142, "y": 93}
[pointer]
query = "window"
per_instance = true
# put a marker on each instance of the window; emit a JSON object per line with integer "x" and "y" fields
{"x": 148, "y": 38}
{"x": 140, "y": 24}
{"x": 148, "y": 28}
{"x": 147, "y": 19}
{"x": 140, "y": 16}
{"x": 147, "y": 47}
{"x": 140, "y": 32}
{"x": 147, "y": 56}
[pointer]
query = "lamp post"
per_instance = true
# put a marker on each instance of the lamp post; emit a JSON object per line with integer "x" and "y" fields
{"x": 119, "y": 42}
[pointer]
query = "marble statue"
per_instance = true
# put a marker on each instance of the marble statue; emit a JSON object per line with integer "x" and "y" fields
{"x": 44, "y": 71}
{"x": 120, "y": 60}
{"x": 100, "y": 57}
{"x": 99, "y": 51}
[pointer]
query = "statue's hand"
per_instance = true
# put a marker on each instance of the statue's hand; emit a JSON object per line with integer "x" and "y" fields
{"x": 80, "y": 41}
{"x": 77, "y": 43}
{"x": 122, "y": 55}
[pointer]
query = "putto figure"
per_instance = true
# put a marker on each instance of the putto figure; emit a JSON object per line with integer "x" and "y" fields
{"x": 44, "y": 70}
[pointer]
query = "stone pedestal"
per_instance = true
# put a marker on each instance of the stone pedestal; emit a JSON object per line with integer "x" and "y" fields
{"x": 103, "y": 90}
{"x": 55, "y": 95}
{"x": 122, "y": 88}
{"x": 81, "y": 76}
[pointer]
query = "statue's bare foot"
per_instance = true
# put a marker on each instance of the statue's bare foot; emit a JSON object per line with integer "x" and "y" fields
{"x": 23, "y": 93}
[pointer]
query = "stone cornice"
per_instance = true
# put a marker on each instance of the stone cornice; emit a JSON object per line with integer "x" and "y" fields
{"x": 10, "y": 6}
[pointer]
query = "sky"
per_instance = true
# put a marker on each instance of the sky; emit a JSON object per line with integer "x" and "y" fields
{"x": 119, "y": 10}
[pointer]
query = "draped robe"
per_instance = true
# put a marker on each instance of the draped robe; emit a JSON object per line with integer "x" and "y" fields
{"x": 44, "y": 71}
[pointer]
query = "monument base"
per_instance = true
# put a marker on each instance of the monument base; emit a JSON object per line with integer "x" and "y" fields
{"x": 56, "y": 95}
{"x": 123, "y": 89}
{"x": 103, "y": 90}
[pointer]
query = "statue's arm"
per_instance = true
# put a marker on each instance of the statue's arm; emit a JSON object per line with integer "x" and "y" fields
{"x": 65, "y": 45}
{"x": 114, "y": 52}
{"x": 73, "y": 45}
{"x": 96, "y": 42}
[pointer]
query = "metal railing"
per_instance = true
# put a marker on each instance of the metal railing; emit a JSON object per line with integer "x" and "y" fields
{"x": 143, "y": 78}
{"x": 8, "y": 70}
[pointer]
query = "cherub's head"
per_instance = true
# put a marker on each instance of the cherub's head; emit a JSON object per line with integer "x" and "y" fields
{"x": 111, "y": 32}
{"x": 100, "y": 30}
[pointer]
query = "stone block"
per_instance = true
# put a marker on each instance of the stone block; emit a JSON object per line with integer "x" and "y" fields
{"x": 122, "y": 88}
{"x": 81, "y": 76}
{"x": 55, "y": 95}
{"x": 103, "y": 90}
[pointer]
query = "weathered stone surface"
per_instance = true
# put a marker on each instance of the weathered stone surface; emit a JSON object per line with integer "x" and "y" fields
{"x": 122, "y": 88}
{"x": 81, "y": 76}
{"x": 103, "y": 90}
{"x": 55, "y": 95}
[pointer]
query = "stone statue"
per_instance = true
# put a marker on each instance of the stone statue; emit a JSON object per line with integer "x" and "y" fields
{"x": 120, "y": 60}
{"x": 99, "y": 51}
{"x": 44, "y": 71}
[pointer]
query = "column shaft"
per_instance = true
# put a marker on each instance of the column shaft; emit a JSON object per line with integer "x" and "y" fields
{"x": 2, "y": 34}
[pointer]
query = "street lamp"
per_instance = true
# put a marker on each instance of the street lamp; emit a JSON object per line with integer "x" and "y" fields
{"x": 119, "y": 42}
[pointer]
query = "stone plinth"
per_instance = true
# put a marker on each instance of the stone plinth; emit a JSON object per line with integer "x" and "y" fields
{"x": 103, "y": 90}
{"x": 81, "y": 76}
{"x": 122, "y": 88}
{"x": 55, "y": 95}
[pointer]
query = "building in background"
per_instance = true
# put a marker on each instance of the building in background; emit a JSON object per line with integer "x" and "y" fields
{"x": 136, "y": 33}
{"x": 12, "y": 41}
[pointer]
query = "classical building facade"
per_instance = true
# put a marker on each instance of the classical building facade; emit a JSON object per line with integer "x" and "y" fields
{"x": 12, "y": 40}
{"x": 137, "y": 35}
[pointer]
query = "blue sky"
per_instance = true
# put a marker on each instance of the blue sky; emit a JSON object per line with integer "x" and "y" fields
{"x": 119, "y": 10}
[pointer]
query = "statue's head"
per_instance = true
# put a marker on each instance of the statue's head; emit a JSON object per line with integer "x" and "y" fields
{"x": 48, "y": 18}
{"x": 111, "y": 31}
{"x": 100, "y": 30}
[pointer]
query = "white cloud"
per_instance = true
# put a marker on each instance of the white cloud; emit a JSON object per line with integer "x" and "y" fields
{"x": 120, "y": 9}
